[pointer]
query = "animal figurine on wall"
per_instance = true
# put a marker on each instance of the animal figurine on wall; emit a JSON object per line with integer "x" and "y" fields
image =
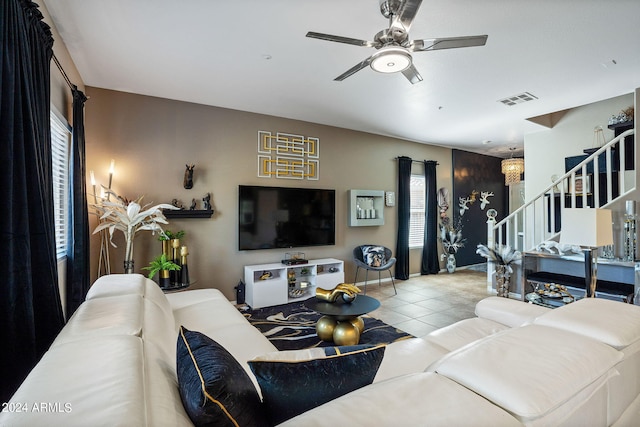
{"x": 177, "y": 203}
{"x": 484, "y": 199}
{"x": 463, "y": 204}
{"x": 188, "y": 177}
{"x": 206, "y": 202}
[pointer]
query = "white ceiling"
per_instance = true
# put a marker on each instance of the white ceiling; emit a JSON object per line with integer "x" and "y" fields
{"x": 252, "y": 55}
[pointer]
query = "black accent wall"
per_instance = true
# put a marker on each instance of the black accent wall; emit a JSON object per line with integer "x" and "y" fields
{"x": 476, "y": 172}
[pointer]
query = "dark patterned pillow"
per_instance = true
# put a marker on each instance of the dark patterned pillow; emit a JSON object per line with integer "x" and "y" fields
{"x": 374, "y": 256}
{"x": 293, "y": 382}
{"x": 215, "y": 389}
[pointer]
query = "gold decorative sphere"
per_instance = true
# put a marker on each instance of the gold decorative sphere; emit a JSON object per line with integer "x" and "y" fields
{"x": 358, "y": 323}
{"x": 325, "y": 327}
{"x": 346, "y": 334}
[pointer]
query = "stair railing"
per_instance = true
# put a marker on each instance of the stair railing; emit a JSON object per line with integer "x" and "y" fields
{"x": 539, "y": 219}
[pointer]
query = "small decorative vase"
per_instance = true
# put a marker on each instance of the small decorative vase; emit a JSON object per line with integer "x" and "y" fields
{"x": 451, "y": 263}
{"x": 164, "y": 279}
{"x": 128, "y": 266}
{"x": 502, "y": 281}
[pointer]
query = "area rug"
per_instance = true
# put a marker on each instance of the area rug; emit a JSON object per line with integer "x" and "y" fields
{"x": 293, "y": 327}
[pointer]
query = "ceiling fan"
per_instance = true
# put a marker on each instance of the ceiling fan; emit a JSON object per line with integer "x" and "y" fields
{"x": 393, "y": 45}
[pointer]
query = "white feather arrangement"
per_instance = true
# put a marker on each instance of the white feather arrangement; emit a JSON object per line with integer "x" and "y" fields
{"x": 504, "y": 255}
{"x": 129, "y": 217}
{"x": 451, "y": 239}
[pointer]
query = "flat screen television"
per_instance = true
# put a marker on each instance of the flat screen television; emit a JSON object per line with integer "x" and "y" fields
{"x": 283, "y": 217}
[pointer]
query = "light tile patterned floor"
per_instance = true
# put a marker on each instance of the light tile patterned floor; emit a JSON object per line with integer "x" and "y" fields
{"x": 426, "y": 303}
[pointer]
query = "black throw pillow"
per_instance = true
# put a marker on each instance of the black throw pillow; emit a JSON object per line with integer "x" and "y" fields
{"x": 215, "y": 389}
{"x": 293, "y": 382}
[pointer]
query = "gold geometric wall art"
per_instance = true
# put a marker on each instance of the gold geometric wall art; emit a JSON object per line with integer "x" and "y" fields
{"x": 288, "y": 156}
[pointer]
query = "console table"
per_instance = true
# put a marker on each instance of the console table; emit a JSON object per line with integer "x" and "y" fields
{"x": 277, "y": 283}
{"x": 617, "y": 280}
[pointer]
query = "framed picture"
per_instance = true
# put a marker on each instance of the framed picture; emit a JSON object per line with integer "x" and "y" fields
{"x": 582, "y": 185}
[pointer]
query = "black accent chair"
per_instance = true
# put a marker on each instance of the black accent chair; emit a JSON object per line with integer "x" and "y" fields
{"x": 358, "y": 258}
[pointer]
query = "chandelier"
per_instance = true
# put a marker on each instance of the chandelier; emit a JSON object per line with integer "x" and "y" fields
{"x": 512, "y": 169}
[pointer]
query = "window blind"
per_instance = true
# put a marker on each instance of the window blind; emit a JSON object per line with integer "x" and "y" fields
{"x": 417, "y": 211}
{"x": 60, "y": 143}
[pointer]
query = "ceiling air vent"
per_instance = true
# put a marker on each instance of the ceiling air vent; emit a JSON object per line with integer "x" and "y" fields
{"x": 518, "y": 99}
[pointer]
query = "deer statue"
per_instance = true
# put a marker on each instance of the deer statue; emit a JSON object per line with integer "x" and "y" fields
{"x": 188, "y": 177}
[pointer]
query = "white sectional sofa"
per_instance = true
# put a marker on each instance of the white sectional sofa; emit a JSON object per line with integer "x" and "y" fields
{"x": 114, "y": 364}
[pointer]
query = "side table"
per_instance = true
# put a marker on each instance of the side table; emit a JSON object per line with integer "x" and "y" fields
{"x": 341, "y": 322}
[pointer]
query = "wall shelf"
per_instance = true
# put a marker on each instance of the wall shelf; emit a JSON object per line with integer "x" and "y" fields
{"x": 366, "y": 207}
{"x": 187, "y": 213}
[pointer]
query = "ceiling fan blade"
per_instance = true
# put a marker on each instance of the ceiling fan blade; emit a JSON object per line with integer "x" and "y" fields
{"x": 339, "y": 39}
{"x": 407, "y": 12}
{"x": 412, "y": 74}
{"x": 447, "y": 43}
{"x": 353, "y": 70}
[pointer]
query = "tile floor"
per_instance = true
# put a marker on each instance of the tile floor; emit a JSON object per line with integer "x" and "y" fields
{"x": 426, "y": 303}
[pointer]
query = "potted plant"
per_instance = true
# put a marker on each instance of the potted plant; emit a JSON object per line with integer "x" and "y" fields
{"x": 161, "y": 265}
{"x": 170, "y": 235}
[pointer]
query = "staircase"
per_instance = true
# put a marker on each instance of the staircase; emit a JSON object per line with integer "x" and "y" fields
{"x": 596, "y": 182}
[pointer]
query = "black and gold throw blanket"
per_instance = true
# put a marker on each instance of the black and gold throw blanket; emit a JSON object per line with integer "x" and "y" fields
{"x": 293, "y": 327}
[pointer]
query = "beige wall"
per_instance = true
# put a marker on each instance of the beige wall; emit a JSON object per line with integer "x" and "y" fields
{"x": 151, "y": 140}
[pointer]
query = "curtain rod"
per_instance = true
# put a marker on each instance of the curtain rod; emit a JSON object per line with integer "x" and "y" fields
{"x": 418, "y": 161}
{"x": 66, "y": 77}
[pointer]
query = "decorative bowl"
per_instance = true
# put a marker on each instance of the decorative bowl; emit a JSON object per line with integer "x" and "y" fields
{"x": 297, "y": 292}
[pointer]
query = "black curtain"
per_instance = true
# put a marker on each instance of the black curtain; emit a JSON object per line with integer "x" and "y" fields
{"x": 404, "y": 213}
{"x": 30, "y": 309}
{"x": 430, "y": 264}
{"x": 78, "y": 235}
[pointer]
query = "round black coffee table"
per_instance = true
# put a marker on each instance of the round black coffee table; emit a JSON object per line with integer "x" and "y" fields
{"x": 341, "y": 322}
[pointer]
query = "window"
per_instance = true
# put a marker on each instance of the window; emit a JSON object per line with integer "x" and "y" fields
{"x": 60, "y": 143}
{"x": 416, "y": 220}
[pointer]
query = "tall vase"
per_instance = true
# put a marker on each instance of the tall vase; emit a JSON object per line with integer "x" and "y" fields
{"x": 128, "y": 253}
{"x": 128, "y": 266}
{"x": 166, "y": 249}
{"x": 451, "y": 263}
{"x": 502, "y": 281}
{"x": 175, "y": 257}
{"x": 184, "y": 268}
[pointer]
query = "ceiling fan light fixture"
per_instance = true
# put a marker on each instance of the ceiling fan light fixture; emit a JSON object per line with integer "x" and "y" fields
{"x": 390, "y": 60}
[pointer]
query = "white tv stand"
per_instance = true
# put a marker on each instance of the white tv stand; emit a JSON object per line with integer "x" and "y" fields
{"x": 274, "y": 290}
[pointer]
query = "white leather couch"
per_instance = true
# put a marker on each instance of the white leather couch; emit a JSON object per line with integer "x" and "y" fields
{"x": 514, "y": 364}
